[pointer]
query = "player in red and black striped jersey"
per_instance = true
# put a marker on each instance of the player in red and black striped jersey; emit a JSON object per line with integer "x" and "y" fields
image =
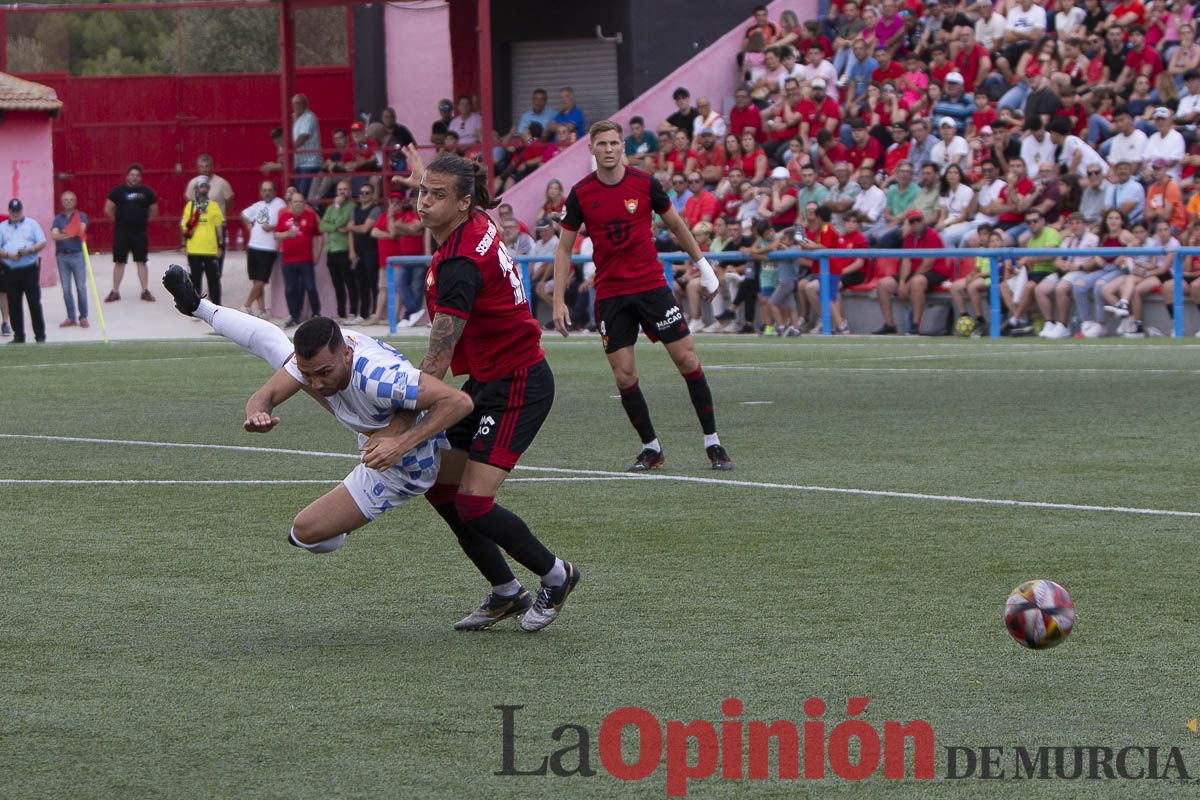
{"x": 482, "y": 328}
{"x": 617, "y": 203}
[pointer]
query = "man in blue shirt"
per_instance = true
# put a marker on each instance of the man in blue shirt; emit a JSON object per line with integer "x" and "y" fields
{"x": 21, "y": 239}
{"x": 569, "y": 112}
{"x": 539, "y": 114}
{"x": 68, "y": 251}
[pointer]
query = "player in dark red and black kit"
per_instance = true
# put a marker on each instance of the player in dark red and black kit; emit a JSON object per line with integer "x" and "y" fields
{"x": 617, "y": 203}
{"x": 482, "y": 327}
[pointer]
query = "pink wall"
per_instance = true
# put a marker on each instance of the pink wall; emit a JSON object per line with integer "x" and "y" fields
{"x": 418, "y": 62}
{"x": 711, "y": 73}
{"x": 27, "y": 172}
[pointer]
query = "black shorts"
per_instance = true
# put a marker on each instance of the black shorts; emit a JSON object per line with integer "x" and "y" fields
{"x": 935, "y": 279}
{"x": 508, "y": 413}
{"x": 260, "y": 263}
{"x": 654, "y": 311}
{"x": 849, "y": 279}
{"x": 3, "y": 279}
{"x": 127, "y": 243}
{"x": 1038, "y": 277}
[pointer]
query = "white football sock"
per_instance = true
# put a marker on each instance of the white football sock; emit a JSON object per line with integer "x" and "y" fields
{"x": 653, "y": 445}
{"x": 710, "y": 439}
{"x": 507, "y": 589}
{"x": 256, "y": 336}
{"x": 557, "y": 575}
{"x": 326, "y": 546}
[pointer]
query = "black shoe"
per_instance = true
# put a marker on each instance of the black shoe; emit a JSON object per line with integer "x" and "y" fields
{"x": 719, "y": 458}
{"x": 647, "y": 460}
{"x": 291, "y": 323}
{"x": 179, "y": 284}
{"x": 549, "y": 603}
{"x": 494, "y": 608}
{"x": 1022, "y": 327}
{"x": 884, "y": 331}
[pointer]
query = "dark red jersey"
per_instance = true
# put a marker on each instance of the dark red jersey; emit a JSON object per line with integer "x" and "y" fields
{"x": 618, "y": 220}
{"x": 473, "y": 277}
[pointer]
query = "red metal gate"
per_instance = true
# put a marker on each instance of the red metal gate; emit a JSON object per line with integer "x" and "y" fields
{"x": 163, "y": 122}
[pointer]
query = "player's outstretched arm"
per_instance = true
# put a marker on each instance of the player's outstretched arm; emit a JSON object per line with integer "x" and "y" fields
{"x": 445, "y": 405}
{"x": 679, "y": 229}
{"x": 273, "y": 393}
{"x": 562, "y": 271}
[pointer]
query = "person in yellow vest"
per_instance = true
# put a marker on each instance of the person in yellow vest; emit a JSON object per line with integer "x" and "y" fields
{"x": 203, "y": 229}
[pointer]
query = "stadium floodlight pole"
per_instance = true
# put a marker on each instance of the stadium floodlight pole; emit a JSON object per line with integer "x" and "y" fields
{"x": 1177, "y": 287}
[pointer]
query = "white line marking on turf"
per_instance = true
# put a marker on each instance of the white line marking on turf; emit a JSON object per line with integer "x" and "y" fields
{"x": 155, "y": 482}
{"x": 757, "y": 403}
{"x": 797, "y": 366}
{"x": 118, "y": 362}
{"x": 987, "y": 501}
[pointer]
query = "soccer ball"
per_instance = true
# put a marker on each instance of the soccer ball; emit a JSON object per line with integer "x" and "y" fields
{"x": 1039, "y": 614}
{"x": 964, "y": 325}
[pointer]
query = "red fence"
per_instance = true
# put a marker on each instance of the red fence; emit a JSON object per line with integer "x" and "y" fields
{"x": 164, "y": 121}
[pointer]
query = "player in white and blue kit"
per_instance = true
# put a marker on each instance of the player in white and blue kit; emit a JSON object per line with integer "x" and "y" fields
{"x": 367, "y": 385}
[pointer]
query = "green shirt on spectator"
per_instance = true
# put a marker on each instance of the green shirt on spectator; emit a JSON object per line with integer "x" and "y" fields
{"x": 817, "y": 194}
{"x": 337, "y": 217}
{"x": 900, "y": 200}
{"x": 1047, "y": 238}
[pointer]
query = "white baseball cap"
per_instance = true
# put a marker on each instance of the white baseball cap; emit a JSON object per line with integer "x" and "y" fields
{"x": 954, "y": 77}
{"x": 947, "y": 121}
{"x": 780, "y": 173}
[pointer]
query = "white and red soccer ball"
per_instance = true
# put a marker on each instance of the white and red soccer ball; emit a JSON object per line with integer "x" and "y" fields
{"x": 1039, "y": 614}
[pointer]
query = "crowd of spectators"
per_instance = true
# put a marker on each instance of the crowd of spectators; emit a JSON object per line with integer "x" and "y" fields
{"x": 942, "y": 123}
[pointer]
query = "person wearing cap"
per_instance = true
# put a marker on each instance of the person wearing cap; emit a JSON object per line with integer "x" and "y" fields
{"x": 437, "y": 133}
{"x": 779, "y": 204}
{"x": 956, "y": 103}
{"x": 917, "y": 276}
{"x": 21, "y": 240}
{"x": 203, "y": 228}
{"x": 1164, "y": 199}
{"x": 1165, "y": 143}
{"x": 950, "y": 147}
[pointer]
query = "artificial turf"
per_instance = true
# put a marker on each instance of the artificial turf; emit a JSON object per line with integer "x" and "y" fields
{"x": 163, "y": 640}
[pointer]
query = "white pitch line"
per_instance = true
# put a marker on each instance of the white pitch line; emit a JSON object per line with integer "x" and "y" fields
{"x": 798, "y": 366}
{"x": 156, "y": 482}
{"x": 118, "y": 362}
{"x": 942, "y": 498}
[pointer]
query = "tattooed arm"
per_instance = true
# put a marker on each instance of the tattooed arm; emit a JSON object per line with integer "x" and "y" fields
{"x": 447, "y": 328}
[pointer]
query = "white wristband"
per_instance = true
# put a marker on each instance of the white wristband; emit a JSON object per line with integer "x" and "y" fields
{"x": 708, "y": 278}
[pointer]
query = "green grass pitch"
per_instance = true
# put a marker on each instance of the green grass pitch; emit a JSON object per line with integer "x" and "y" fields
{"x": 163, "y": 640}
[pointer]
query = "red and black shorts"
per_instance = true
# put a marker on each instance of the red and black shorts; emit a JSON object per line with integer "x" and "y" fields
{"x": 655, "y": 312}
{"x": 508, "y": 413}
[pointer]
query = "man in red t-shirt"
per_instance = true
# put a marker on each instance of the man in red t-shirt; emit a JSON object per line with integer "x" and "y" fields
{"x": 745, "y": 115}
{"x": 817, "y": 112}
{"x": 299, "y": 236}
{"x": 867, "y": 151}
{"x": 617, "y": 204}
{"x": 972, "y": 61}
{"x": 914, "y": 281}
{"x": 1142, "y": 59}
{"x": 888, "y": 70}
{"x": 702, "y": 205}
{"x": 398, "y": 232}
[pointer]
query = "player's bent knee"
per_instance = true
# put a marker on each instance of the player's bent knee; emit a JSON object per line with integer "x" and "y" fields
{"x": 473, "y": 506}
{"x": 325, "y": 546}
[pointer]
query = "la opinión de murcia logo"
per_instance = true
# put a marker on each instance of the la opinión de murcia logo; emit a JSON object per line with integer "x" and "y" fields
{"x": 854, "y": 749}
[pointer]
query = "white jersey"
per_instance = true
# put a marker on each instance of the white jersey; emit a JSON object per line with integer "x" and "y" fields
{"x": 382, "y": 381}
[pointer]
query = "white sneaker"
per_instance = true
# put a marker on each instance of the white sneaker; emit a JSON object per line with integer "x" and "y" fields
{"x": 355, "y": 320}
{"x": 1060, "y": 331}
{"x": 695, "y": 326}
{"x": 1092, "y": 330}
{"x": 733, "y": 327}
{"x": 1119, "y": 310}
{"x": 404, "y": 323}
{"x": 1126, "y": 326}
{"x": 1049, "y": 330}
{"x": 716, "y": 327}
{"x": 417, "y": 319}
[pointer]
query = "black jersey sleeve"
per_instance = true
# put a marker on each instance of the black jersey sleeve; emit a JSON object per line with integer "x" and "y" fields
{"x": 659, "y": 202}
{"x": 458, "y": 282}
{"x": 572, "y": 213}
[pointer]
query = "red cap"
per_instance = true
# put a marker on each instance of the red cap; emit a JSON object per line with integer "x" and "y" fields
{"x": 397, "y": 195}
{"x": 914, "y": 214}
{"x": 357, "y": 126}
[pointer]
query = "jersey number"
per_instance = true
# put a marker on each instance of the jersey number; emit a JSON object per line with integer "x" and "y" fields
{"x": 510, "y": 271}
{"x": 618, "y": 231}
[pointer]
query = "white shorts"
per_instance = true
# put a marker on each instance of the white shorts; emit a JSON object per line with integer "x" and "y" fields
{"x": 375, "y": 492}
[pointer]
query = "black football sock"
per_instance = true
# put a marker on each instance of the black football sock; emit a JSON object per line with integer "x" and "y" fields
{"x": 702, "y": 400}
{"x": 506, "y": 529}
{"x": 483, "y": 552}
{"x": 634, "y": 403}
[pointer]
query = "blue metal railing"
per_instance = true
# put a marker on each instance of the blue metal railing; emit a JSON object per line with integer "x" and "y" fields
{"x": 994, "y": 255}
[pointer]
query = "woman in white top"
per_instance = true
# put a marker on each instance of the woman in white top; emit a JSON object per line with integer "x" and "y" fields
{"x": 466, "y": 123}
{"x": 952, "y": 149}
{"x": 956, "y": 207}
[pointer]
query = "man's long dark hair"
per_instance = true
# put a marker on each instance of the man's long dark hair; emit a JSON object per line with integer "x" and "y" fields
{"x": 470, "y": 178}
